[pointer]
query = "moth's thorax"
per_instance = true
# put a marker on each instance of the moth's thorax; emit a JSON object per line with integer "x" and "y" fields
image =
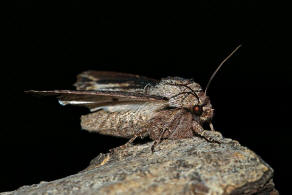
{"x": 184, "y": 93}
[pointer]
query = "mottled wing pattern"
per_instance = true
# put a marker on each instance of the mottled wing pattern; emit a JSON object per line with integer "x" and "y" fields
{"x": 112, "y": 81}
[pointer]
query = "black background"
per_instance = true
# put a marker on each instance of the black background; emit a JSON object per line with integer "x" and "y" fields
{"x": 41, "y": 140}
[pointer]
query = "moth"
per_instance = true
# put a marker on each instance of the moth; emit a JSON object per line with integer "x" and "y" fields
{"x": 131, "y": 106}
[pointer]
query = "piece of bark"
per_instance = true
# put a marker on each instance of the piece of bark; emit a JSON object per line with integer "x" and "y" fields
{"x": 186, "y": 166}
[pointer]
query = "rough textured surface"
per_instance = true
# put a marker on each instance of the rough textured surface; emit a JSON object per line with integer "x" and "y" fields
{"x": 186, "y": 166}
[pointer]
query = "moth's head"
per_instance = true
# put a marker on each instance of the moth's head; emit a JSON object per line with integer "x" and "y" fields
{"x": 202, "y": 111}
{"x": 187, "y": 94}
{"x": 198, "y": 104}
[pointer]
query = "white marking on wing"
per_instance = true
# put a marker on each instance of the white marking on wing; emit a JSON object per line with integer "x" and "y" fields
{"x": 117, "y": 108}
{"x": 64, "y": 103}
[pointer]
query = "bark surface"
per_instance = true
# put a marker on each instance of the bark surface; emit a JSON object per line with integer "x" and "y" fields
{"x": 186, "y": 166}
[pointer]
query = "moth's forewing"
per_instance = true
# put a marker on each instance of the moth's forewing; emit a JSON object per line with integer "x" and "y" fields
{"x": 98, "y": 98}
{"x": 101, "y": 88}
{"x": 112, "y": 81}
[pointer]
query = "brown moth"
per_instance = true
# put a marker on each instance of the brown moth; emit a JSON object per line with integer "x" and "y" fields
{"x": 131, "y": 106}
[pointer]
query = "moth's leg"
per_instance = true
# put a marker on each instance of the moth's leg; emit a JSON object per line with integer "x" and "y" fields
{"x": 171, "y": 124}
{"x": 139, "y": 133}
{"x": 211, "y": 127}
{"x": 157, "y": 141}
{"x": 211, "y": 136}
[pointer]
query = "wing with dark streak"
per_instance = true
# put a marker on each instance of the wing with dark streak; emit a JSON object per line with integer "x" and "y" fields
{"x": 93, "y": 99}
{"x": 112, "y": 81}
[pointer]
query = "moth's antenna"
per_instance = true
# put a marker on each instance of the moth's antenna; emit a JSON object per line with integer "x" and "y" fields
{"x": 214, "y": 73}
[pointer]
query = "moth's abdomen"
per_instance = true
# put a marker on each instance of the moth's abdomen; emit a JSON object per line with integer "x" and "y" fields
{"x": 121, "y": 124}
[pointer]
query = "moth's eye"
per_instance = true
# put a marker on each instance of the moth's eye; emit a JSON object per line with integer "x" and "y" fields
{"x": 198, "y": 110}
